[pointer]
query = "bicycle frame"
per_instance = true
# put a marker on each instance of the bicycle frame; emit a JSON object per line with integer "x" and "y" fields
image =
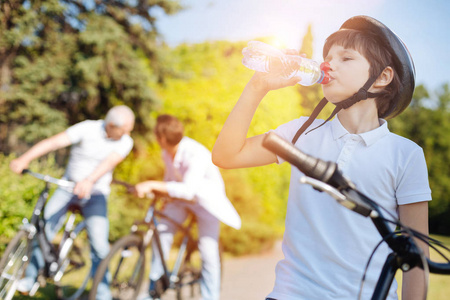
{"x": 37, "y": 224}
{"x": 58, "y": 260}
{"x": 152, "y": 233}
{"x": 55, "y": 258}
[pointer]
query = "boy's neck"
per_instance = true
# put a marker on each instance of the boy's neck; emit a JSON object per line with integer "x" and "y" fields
{"x": 361, "y": 117}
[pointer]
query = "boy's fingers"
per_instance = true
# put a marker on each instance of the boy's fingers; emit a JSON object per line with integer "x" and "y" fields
{"x": 294, "y": 80}
{"x": 290, "y": 51}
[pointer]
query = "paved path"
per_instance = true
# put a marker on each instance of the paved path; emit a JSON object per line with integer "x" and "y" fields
{"x": 246, "y": 278}
{"x": 250, "y": 277}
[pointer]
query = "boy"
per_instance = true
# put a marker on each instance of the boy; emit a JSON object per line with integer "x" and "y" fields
{"x": 189, "y": 174}
{"x": 326, "y": 247}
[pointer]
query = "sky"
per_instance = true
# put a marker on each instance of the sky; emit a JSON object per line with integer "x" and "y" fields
{"x": 424, "y": 26}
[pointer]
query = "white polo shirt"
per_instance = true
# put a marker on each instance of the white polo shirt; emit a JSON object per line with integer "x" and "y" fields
{"x": 327, "y": 246}
{"x": 90, "y": 146}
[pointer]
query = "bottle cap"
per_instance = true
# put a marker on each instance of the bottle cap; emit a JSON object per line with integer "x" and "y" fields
{"x": 326, "y": 78}
{"x": 325, "y": 67}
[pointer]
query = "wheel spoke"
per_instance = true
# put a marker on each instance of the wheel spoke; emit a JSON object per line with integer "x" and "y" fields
{"x": 126, "y": 264}
{"x": 74, "y": 271}
{"x": 13, "y": 264}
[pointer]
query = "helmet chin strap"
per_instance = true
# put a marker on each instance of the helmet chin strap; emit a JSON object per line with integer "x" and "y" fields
{"x": 362, "y": 94}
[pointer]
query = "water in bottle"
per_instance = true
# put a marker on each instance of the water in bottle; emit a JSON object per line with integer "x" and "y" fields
{"x": 262, "y": 57}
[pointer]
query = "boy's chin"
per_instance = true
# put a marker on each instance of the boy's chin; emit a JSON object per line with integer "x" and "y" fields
{"x": 336, "y": 98}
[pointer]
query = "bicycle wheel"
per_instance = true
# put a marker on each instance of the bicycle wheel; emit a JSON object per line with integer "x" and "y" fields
{"x": 75, "y": 268}
{"x": 13, "y": 264}
{"x": 125, "y": 265}
{"x": 188, "y": 285}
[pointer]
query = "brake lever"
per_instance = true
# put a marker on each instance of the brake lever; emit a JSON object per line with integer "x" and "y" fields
{"x": 333, "y": 192}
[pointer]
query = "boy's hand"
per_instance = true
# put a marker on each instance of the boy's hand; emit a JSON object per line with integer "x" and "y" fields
{"x": 143, "y": 188}
{"x": 83, "y": 189}
{"x": 267, "y": 82}
{"x": 18, "y": 165}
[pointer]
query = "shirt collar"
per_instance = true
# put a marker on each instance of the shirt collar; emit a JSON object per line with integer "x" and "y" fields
{"x": 369, "y": 138}
{"x": 337, "y": 129}
{"x": 103, "y": 133}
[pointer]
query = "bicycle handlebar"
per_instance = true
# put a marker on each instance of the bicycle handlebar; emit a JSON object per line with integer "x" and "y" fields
{"x": 316, "y": 168}
{"x": 152, "y": 195}
{"x": 327, "y": 178}
{"x": 65, "y": 184}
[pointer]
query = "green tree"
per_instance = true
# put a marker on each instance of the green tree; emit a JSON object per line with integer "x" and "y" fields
{"x": 427, "y": 122}
{"x": 311, "y": 95}
{"x": 66, "y": 61}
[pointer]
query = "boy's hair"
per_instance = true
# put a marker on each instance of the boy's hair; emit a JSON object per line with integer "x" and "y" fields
{"x": 169, "y": 127}
{"x": 377, "y": 56}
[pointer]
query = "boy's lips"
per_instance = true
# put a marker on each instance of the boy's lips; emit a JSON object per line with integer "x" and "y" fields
{"x": 330, "y": 80}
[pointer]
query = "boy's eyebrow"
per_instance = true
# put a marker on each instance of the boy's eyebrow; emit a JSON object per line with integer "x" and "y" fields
{"x": 342, "y": 52}
{"x": 346, "y": 50}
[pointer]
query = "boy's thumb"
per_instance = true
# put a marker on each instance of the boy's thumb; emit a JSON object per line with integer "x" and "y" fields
{"x": 295, "y": 80}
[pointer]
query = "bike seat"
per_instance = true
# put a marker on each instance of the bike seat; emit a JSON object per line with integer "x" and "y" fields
{"x": 75, "y": 208}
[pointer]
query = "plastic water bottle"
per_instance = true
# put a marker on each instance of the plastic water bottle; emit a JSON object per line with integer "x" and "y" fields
{"x": 262, "y": 57}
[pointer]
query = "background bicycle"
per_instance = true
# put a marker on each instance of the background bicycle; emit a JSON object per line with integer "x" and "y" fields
{"x": 128, "y": 260}
{"x": 67, "y": 263}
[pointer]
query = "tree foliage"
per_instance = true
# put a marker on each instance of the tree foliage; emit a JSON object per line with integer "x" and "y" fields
{"x": 65, "y": 61}
{"x": 427, "y": 122}
{"x": 311, "y": 95}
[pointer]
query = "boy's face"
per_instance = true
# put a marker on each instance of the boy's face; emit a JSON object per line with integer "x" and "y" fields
{"x": 349, "y": 72}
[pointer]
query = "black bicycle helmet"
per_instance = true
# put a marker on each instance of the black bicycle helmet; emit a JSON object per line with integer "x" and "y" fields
{"x": 403, "y": 65}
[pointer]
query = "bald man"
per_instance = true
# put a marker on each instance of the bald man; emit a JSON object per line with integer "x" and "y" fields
{"x": 97, "y": 147}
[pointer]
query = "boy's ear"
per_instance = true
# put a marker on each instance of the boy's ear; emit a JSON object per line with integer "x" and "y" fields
{"x": 385, "y": 78}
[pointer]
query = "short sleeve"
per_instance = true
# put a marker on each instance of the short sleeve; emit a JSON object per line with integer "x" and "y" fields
{"x": 78, "y": 131}
{"x": 288, "y": 130}
{"x": 413, "y": 185}
{"x": 124, "y": 147}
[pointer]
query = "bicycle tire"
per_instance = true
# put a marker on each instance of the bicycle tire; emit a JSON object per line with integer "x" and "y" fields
{"x": 13, "y": 264}
{"x": 188, "y": 285}
{"x": 125, "y": 264}
{"x": 75, "y": 268}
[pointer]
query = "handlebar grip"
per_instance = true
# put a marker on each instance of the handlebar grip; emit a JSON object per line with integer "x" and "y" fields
{"x": 316, "y": 168}
{"x": 309, "y": 165}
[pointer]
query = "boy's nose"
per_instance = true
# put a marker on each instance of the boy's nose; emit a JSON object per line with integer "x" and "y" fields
{"x": 331, "y": 65}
